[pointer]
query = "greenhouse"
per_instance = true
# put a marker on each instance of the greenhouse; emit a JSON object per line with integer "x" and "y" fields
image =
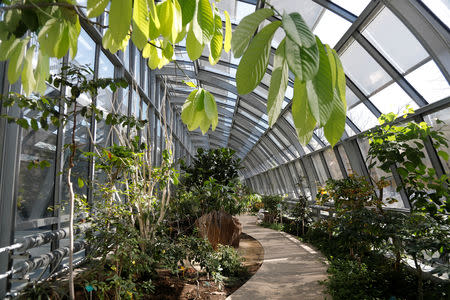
{"x": 232, "y": 149}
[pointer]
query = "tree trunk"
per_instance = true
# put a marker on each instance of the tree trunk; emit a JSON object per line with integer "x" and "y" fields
{"x": 419, "y": 279}
{"x": 71, "y": 213}
{"x": 72, "y": 203}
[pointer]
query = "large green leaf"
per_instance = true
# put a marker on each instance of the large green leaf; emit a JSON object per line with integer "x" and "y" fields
{"x": 303, "y": 118}
{"x": 199, "y": 114}
{"x": 215, "y": 46}
{"x": 41, "y": 73}
{"x": 193, "y": 46}
{"x": 196, "y": 29}
{"x": 154, "y": 24}
{"x": 7, "y": 47}
{"x": 112, "y": 45}
{"x": 303, "y": 61}
{"x": 210, "y": 106}
{"x": 254, "y": 63}
{"x": 323, "y": 86}
{"x": 49, "y": 36}
{"x": 177, "y": 24}
{"x": 340, "y": 77}
{"x": 28, "y": 80}
{"x": 62, "y": 43}
{"x": 204, "y": 125}
{"x": 211, "y": 109}
{"x": 16, "y": 61}
{"x": 153, "y": 58}
{"x": 205, "y": 19}
{"x": 245, "y": 30}
{"x": 96, "y": 7}
{"x": 278, "y": 84}
{"x": 188, "y": 8}
{"x": 141, "y": 24}
{"x": 335, "y": 126}
{"x": 296, "y": 29}
{"x": 227, "y": 42}
{"x": 74, "y": 33}
{"x": 165, "y": 16}
{"x": 120, "y": 19}
{"x": 188, "y": 110}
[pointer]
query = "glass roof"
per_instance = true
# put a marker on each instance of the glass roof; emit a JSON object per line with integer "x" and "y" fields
{"x": 372, "y": 87}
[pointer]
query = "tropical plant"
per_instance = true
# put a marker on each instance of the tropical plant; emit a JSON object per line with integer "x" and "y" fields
{"x": 402, "y": 146}
{"x": 319, "y": 85}
{"x": 301, "y": 214}
{"x": 155, "y": 29}
{"x": 77, "y": 79}
{"x": 271, "y": 204}
{"x": 219, "y": 164}
{"x": 212, "y": 182}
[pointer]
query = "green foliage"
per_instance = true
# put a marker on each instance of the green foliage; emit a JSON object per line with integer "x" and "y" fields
{"x": 319, "y": 85}
{"x": 278, "y": 84}
{"x": 359, "y": 228}
{"x": 403, "y": 146}
{"x": 77, "y": 78}
{"x": 254, "y": 62}
{"x": 219, "y": 164}
{"x": 210, "y": 183}
{"x": 301, "y": 215}
{"x": 347, "y": 194}
{"x": 271, "y": 203}
{"x": 157, "y": 27}
{"x": 200, "y": 110}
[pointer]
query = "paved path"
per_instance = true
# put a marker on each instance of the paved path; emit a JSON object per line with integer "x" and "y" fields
{"x": 291, "y": 269}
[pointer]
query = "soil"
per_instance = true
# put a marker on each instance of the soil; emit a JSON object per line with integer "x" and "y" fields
{"x": 171, "y": 287}
{"x": 186, "y": 287}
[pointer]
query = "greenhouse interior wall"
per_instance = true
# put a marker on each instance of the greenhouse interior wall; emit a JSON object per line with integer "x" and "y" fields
{"x": 394, "y": 53}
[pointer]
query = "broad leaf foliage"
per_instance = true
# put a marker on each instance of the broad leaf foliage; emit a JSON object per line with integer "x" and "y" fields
{"x": 155, "y": 27}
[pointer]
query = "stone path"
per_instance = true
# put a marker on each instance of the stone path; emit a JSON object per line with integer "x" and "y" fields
{"x": 291, "y": 269}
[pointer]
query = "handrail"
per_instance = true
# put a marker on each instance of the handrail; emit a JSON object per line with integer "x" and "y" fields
{"x": 43, "y": 238}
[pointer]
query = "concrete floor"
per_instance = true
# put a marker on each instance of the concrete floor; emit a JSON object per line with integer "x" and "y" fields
{"x": 291, "y": 269}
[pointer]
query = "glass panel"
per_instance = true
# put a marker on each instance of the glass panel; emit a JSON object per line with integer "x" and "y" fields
{"x": 319, "y": 168}
{"x": 104, "y": 99}
{"x": 126, "y": 57}
{"x": 345, "y": 160}
{"x": 429, "y": 82}
{"x": 368, "y": 76}
{"x": 81, "y": 165}
{"x": 310, "y": 173}
{"x": 332, "y": 164}
{"x": 441, "y": 8}
{"x": 135, "y": 103}
{"x": 35, "y": 190}
{"x": 392, "y": 99}
{"x": 353, "y": 6}
{"x": 123, "y": 105}
{"x": 386, "y": 33}
{"x": 351, "y": 98}
{"x": 331, "y": 28}
{"x": 443, "y": 115}
{"x": 362, "y": 117}
{"x": 376, "y": 174}
{"x": 137, "y": 65}
{"x": 86, "y": 50}
{"x": 310, "y": 11}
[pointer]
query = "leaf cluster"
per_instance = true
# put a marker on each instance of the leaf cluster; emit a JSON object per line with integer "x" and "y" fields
{"x": 78, "y": 80}
{"x": 403, "y": 146}
{"x": 319, "y": 84}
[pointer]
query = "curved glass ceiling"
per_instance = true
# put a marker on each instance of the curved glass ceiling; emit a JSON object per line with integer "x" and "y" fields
{"x": 386, "y": 65}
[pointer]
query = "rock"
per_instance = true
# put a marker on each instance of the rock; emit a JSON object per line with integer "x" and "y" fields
{"x": 220, "y": 227}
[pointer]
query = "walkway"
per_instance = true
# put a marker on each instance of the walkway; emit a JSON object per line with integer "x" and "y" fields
{"x": 291, "y": 269}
